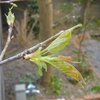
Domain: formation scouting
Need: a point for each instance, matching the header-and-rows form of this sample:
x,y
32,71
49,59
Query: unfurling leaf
x,y
14,5
10,17
57,62
60,42
37,59
66,68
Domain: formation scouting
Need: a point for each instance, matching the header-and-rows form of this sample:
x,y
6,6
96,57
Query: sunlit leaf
x,y
60,42
66,68
58,62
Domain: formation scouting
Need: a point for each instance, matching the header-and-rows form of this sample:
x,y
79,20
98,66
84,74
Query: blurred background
x,y
37,20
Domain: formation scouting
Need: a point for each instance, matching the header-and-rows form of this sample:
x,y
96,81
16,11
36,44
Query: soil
x,y
21,71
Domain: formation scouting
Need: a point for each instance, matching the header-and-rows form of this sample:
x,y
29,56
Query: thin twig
x,y
7,43
9,2
32,49
5,2
86,13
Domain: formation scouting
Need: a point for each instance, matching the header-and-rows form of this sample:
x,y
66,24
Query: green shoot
x,y
57,45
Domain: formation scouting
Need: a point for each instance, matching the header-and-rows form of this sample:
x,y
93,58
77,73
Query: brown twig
x,y
86,13
32,49
7,43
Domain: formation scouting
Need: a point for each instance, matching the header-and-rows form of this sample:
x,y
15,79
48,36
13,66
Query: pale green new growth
x,y
58,44
14,5
10,17
62,41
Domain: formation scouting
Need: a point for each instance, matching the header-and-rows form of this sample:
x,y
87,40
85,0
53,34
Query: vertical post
x,y
2,89
20,92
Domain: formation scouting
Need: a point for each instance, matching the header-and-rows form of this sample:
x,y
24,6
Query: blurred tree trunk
x,y
46,22
87,12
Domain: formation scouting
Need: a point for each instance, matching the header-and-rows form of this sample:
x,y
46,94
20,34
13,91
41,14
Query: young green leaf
x,y
10,17
57,62
38,63
60,42
37,59
63,67
66,68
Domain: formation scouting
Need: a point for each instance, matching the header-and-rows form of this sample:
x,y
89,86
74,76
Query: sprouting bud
x,y
12,36
14,5
10,18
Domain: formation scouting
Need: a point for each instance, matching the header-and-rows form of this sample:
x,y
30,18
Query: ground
x,y
21,71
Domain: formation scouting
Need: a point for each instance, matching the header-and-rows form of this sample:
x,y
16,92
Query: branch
x,y
9,2
5,2
32,49
7,43
10,20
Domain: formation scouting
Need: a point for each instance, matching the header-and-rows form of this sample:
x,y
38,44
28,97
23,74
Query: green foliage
x,y
57,45
10,74
96,88
33,9
65,5
56,84
33,5
97,21
84,1
26,79
39,60
60,43
31,97
10,17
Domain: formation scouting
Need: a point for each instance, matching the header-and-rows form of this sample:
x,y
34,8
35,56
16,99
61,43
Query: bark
x,y
46,22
